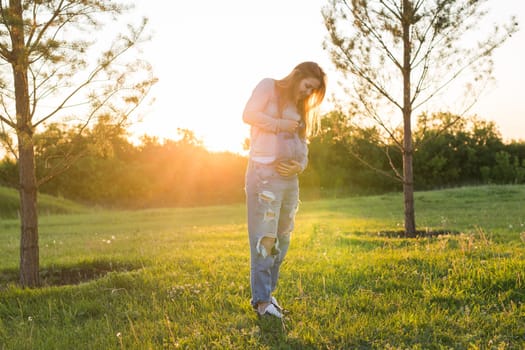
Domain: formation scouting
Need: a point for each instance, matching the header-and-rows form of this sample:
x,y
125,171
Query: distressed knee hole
x,y
267,196
266,245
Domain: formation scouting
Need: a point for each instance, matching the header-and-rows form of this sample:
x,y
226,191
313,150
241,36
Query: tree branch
x,y
108,60
7,121
370,166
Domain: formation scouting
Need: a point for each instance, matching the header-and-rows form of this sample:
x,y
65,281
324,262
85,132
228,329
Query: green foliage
x,y
347,160
449,151
8,173
453,151
100,166
179,278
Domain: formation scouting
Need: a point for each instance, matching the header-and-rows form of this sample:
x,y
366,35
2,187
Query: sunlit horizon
x,y
210,138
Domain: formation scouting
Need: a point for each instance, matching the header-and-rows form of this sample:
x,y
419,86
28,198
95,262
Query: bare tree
x,y
49,51
403,53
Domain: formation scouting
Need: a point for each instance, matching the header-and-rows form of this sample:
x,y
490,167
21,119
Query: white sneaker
x,y
271,310
276,304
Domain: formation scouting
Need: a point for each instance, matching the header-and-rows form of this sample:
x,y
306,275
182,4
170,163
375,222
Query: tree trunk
x,y
29,254
408,186
408,174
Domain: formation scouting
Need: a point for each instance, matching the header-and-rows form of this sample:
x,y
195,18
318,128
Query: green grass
x,y
179,278
47,205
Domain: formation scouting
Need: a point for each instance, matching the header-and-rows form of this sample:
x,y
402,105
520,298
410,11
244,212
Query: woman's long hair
x,y
308,108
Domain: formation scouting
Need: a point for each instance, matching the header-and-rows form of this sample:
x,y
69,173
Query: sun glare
x,y
216,135
205,86
224,142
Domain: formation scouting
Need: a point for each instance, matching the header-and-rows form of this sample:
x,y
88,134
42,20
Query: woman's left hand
x,y
288,168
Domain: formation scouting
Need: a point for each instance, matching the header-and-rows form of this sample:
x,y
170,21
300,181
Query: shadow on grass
x,y
275,334
60,275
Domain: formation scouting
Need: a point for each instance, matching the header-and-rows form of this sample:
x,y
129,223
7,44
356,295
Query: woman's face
x,y
306,87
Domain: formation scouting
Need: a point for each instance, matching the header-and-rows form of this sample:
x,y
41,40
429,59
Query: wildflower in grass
x,y
119,337
30,318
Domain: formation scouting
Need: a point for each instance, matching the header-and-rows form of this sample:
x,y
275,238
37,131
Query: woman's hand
x,y
288,125
288,168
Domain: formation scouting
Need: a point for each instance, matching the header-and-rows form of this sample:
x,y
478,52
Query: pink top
x,y
261,113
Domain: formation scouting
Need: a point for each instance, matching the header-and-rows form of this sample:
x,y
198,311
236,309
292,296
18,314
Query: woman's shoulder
x,y
267,84
265,89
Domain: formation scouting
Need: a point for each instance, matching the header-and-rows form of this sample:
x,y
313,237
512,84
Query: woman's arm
x,y
254,111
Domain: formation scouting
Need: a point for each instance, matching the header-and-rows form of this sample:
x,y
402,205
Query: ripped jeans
x,y
272,201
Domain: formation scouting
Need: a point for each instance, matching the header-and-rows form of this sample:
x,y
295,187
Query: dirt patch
x,y
418,234
57,275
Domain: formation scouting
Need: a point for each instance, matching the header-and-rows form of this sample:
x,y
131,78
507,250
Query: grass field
x,y
9,204
179,278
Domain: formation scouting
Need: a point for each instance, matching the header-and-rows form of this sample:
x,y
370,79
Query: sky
x,y
209,55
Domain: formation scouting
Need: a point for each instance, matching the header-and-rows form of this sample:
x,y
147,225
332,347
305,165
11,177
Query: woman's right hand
x,y
288,125
288,168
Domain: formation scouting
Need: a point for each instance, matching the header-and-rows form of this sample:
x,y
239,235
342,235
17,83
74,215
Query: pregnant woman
x,y
282,114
